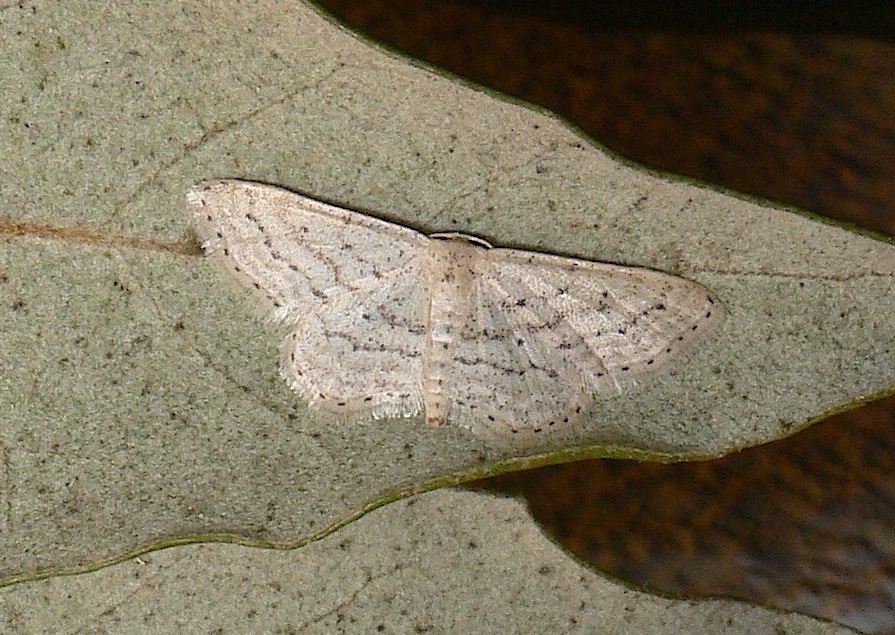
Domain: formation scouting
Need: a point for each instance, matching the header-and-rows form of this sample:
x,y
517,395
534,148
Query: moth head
x,y
466,238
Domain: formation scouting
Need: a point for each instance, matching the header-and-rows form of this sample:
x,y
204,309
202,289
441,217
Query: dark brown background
x,y
796,105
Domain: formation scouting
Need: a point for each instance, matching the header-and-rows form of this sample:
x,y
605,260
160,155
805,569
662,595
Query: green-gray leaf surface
x,y
139,400
442,562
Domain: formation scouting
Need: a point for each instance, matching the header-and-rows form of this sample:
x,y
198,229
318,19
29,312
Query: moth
x,y
388,322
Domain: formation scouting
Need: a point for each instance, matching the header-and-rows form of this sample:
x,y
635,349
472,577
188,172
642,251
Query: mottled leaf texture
x,y
387,322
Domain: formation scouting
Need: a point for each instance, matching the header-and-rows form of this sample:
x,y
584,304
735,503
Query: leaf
x,y
443,562
140,405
